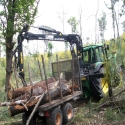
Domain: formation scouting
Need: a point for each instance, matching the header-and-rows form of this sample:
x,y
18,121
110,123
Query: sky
x,y
49,11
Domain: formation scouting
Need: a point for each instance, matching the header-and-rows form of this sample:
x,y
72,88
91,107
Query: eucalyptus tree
x,y
13,15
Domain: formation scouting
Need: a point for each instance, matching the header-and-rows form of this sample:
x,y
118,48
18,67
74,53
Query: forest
x,y
36,61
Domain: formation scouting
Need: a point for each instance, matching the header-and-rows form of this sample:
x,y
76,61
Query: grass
x,y
5,119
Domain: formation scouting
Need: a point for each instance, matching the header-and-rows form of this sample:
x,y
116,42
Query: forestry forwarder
x,y
90,80
89,71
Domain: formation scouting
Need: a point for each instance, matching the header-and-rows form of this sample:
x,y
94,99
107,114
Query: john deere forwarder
x,y
90,69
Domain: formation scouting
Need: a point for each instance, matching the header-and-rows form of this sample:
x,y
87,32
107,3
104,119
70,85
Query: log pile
x,y
23,99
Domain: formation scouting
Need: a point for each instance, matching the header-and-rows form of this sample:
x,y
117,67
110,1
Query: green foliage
x,y
5,119
2,72
102,24
114,73
16,13
50,47
73,22
32,61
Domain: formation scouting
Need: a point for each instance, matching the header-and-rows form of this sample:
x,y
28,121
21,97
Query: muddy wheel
x,y
67,111
55,117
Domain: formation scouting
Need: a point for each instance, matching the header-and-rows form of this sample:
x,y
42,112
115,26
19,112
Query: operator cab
x,y
93,53
92,56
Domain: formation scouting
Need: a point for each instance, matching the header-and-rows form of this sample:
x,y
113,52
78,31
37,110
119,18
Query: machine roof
x,y
92,46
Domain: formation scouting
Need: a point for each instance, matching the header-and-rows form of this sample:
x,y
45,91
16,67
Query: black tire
x,y
55,117
101,70
67,110
97,90
25,117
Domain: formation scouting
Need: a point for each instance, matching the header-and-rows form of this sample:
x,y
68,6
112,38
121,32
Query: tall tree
x,y
14,14
96,21
74,23
102,25
80,20
62,17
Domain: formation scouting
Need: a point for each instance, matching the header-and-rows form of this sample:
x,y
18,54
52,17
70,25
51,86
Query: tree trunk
x,y
9,42
34,90
8,67
54,94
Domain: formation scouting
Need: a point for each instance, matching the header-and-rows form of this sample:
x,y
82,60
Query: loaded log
x,y
13,94
54,94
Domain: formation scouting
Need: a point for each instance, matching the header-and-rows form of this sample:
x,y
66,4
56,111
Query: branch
x,y
4,27
34,110
80,20
96,21
107,101
5,3
60,18
37,3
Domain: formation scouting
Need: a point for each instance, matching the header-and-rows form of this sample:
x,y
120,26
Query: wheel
x,y
103,82
67,110
25,117
55,117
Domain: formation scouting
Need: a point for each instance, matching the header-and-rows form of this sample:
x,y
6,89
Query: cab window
x,y
86,56
99,54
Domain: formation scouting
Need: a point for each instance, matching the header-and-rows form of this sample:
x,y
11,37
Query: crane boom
x,y
53,36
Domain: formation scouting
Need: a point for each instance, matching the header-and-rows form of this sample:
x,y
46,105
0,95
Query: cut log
x,y
13,94
54,94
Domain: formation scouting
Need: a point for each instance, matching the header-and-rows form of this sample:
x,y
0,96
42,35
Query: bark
x,y
54,94
39,92
113,18
27,91
9,43
8,66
